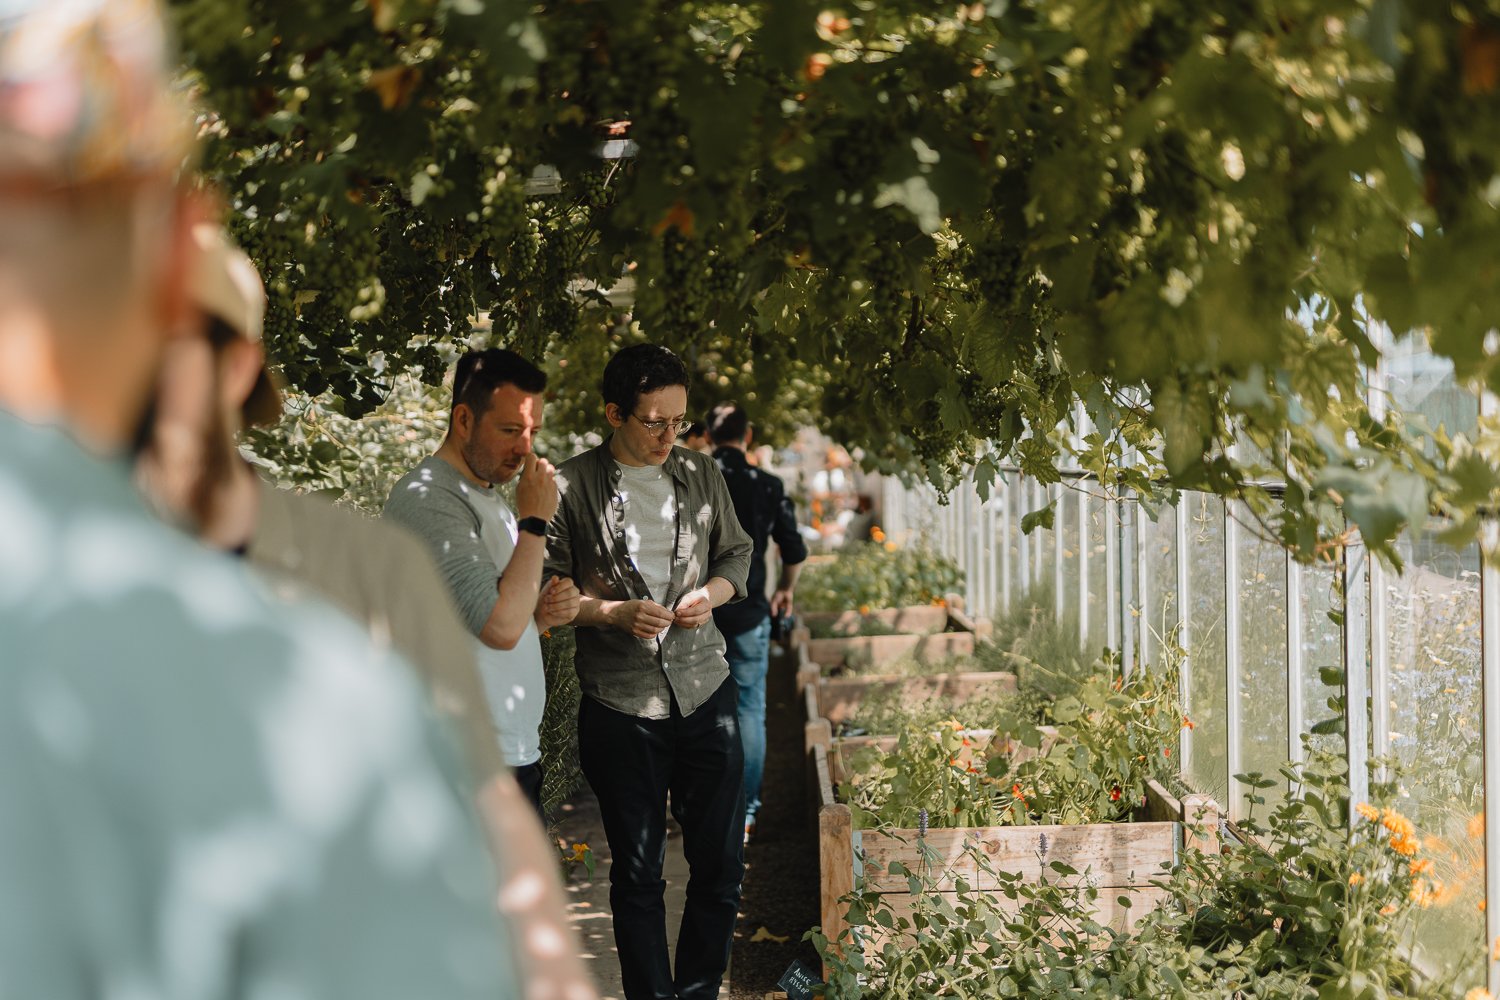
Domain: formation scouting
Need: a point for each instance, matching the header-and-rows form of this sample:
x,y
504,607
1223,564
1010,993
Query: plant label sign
x,y
798,981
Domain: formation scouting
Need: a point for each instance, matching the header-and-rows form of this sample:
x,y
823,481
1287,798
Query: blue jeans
x,y
749,654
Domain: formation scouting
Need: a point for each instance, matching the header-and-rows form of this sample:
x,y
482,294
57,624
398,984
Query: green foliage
x,y
948,223
1042,651
1312,909
1112,738
873,575
885,711
559,730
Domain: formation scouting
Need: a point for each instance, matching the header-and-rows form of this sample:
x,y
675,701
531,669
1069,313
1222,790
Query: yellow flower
x,y
1476,826
1387,909
1479,993
877,534
1368,811
1404,845
1422,867
580,850
1356,878
890,546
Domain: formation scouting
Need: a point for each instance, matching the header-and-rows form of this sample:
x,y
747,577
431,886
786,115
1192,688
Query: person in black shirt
x,y
764,511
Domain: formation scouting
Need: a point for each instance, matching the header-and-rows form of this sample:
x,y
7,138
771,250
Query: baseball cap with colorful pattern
x,y
85,94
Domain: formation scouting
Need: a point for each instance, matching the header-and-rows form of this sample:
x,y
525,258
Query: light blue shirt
x,y
206,794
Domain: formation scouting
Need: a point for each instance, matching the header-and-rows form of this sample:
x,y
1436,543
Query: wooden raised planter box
x,y
1119,859
837,699
920,620
921,636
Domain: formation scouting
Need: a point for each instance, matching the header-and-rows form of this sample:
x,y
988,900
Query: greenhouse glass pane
x,y
1261,597
1098,566
1159,603
1008,547
1420,382
1433,647
1041,539
1067,526
1208,771
1322,654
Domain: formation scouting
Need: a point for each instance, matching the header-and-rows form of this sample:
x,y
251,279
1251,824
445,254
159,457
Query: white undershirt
x,y
650,524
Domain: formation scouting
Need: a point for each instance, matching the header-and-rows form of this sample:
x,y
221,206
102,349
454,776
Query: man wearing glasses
x,y
649,534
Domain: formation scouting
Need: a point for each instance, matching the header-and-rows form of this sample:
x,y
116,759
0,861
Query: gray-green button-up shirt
x,y
586,543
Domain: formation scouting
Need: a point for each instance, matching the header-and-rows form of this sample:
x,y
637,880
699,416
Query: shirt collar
x,y
674,464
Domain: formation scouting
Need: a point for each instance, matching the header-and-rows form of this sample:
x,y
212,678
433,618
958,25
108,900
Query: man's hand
x,y
781,602
695,608
536,490
557,604
642,619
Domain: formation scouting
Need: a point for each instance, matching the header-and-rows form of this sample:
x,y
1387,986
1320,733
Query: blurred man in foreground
x,y
374,571
206,794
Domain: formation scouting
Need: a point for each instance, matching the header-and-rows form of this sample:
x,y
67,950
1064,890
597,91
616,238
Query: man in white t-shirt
x,y
490,556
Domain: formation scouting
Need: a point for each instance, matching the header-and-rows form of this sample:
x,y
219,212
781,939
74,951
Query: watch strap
x,y
534,525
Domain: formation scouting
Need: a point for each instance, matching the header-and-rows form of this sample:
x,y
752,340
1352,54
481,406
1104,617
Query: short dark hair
x,y
694,429
728,424
639,369
479,373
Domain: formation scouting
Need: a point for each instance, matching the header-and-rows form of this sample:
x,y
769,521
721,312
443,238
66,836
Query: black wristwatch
x,y
535,525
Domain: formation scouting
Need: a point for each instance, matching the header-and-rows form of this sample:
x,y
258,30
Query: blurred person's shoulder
x,y
185,752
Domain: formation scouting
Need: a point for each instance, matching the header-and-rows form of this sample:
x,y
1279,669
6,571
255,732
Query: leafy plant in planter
x,y
1311,909
1112,738
877,576
884,712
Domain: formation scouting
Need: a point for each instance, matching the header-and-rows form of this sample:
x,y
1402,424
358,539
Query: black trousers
x,y
531,778
632,764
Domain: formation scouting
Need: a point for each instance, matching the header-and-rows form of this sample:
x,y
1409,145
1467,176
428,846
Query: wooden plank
x,y
816,733
822,775
839,698
916,620
877,649
835,868
1113,855
1105,910
1161,805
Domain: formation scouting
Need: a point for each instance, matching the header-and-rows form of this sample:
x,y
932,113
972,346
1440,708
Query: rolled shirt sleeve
x,y
729,545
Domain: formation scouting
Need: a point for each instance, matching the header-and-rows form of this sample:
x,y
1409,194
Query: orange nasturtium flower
x,y
1422,866
1368,811
1356,878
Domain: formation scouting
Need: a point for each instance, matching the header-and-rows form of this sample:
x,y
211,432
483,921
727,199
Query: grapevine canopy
x,y
943,229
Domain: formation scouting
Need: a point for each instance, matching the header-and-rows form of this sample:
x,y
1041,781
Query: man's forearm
x,y
515,599
720,591
595,612
789,576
